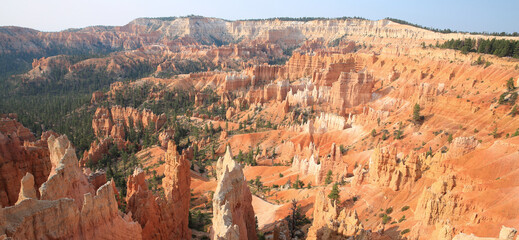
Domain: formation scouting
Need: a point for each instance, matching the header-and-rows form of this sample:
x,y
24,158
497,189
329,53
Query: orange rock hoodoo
x,y
233,215
163,218
68,208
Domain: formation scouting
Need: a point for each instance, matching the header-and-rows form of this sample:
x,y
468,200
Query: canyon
x,y
203,128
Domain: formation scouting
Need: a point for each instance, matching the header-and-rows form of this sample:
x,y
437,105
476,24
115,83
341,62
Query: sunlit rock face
x,y
68,207
233,215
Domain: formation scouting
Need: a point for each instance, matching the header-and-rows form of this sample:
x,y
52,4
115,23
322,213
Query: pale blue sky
x,y
465,15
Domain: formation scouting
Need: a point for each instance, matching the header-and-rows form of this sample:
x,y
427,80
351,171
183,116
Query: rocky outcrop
x,y
438,202
273,91
388,170
281,91
100,217
61,219
97,97
323,123
236,81
44,67
97,178
66,179
35,219
110,127
358,176
329,223
165,136
9,126
163,218
20,154
320,166
264,73
144,117
233,215
27,189
329,122
230,113
97,149
332,163
350,90
301,65
176,185
300,97
506,233
461,146
332,72
112,122
102,122
306,167
145,209
69,208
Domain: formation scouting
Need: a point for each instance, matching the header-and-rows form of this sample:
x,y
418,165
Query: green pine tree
x,y
510,84
416,113
334,194
328,179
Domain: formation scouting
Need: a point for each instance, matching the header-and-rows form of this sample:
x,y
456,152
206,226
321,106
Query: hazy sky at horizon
x,y
462,15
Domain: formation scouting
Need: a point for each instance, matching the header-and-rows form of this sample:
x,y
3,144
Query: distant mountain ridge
x,y
21,45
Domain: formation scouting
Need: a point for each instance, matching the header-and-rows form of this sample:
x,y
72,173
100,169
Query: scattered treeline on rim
x,y
498,47
514,34
298,19
301,19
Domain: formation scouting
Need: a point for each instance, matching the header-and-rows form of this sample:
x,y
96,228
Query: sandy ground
x,y
265,211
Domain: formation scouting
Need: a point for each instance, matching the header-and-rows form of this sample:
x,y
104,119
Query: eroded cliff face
x,y
333,163
350,90
69,208
506,233
18,40
147,31
330,223
438,202
388,170
61,219
176,184
20,154
233,215
66,179
145,117
113,121
306,166
110,127
163,218
144,208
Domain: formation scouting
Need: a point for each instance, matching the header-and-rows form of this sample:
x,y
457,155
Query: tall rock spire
x,y
233,215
